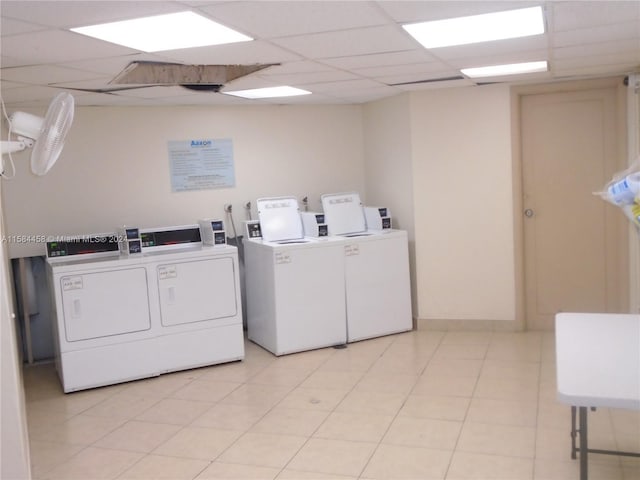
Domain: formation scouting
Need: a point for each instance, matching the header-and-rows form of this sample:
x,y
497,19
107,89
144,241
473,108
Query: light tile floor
x,y
420,405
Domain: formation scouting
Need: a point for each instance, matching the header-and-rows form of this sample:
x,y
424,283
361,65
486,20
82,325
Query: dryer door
x,y
104,304
197,291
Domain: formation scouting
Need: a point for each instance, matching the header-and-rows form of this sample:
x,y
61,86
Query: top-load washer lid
x,y
280,220
344,214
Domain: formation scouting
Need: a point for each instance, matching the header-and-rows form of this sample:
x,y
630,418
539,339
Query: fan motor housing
x,y
26,125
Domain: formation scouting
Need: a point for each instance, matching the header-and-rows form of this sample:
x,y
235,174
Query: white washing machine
x,y
102,316
196,291
295,286
377,281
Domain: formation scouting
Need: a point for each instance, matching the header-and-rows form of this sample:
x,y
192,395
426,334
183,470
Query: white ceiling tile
x,y
588,14
312,77
10,26
602,33
414,69
66,14
353,85
595,61
303,66
269,20
53,73
435,85
628,48
234,53
54,46
380,59
492,49
498,59
360,41
112,66
589,70
420,11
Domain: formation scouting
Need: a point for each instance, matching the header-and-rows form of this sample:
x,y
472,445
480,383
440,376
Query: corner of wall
x,y
14,442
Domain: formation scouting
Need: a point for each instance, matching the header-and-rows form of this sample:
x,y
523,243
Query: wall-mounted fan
x,y
45,135
205,78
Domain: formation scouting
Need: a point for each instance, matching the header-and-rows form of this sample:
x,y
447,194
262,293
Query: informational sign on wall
x,y
201,164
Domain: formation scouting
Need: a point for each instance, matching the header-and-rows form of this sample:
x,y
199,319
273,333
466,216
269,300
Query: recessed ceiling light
x,y
269,92
164,32
478,28
500,70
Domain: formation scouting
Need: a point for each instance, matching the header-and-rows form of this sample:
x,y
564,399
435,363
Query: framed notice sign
x,y
201,164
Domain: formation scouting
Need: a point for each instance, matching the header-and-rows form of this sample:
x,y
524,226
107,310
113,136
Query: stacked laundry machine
x,y
139,303
316,279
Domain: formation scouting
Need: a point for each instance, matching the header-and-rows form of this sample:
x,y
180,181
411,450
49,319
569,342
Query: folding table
x,y
598,365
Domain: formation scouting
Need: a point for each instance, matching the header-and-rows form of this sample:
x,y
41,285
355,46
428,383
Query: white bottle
x,y
624,190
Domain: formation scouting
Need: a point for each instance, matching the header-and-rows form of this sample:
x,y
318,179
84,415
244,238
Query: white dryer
x,y
294,285
102,316
195,289
176,305
377,281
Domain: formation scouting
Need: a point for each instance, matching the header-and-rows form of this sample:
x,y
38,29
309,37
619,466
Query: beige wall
x,y
388,166
14,444
114,169
463,202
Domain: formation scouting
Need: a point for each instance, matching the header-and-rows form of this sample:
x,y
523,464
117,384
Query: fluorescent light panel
x,y
269,92
164,32
478,28
500,70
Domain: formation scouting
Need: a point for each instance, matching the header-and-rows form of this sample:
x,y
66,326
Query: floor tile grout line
x,y
380,442
464,420
311,436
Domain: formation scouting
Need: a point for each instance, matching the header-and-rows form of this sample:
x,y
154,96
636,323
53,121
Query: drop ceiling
x,y
344,52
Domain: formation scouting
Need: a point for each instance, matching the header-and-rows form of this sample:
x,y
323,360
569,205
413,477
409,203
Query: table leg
x,y
584,466
574,433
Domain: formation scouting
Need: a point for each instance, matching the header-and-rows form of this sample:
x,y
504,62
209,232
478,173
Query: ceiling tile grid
x,y
342,51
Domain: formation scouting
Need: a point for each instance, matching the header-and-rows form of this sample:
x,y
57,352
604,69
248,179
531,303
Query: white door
x,y
575,249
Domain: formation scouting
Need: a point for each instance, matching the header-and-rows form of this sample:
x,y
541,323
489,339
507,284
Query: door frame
x,y
517,92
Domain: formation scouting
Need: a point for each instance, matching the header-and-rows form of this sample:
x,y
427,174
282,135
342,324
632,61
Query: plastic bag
x,y
624,191
624,187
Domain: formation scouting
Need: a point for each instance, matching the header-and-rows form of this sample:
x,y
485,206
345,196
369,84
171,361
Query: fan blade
x,y
159,73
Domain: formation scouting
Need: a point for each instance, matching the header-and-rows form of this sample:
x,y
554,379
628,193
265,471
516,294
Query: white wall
x,y
463,201
114,168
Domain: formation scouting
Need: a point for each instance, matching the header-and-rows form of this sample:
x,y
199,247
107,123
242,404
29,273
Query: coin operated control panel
x,y
129,241
253,230
378,219
212,232
314,224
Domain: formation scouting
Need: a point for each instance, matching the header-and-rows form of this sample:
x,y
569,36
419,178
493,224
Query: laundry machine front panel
x,y
310,284
108,364
378,291
197,290
104,304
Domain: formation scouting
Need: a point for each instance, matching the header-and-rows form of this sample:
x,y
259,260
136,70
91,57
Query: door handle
x,y
528,213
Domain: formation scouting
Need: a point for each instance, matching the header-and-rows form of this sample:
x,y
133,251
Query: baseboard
x,y
469,325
